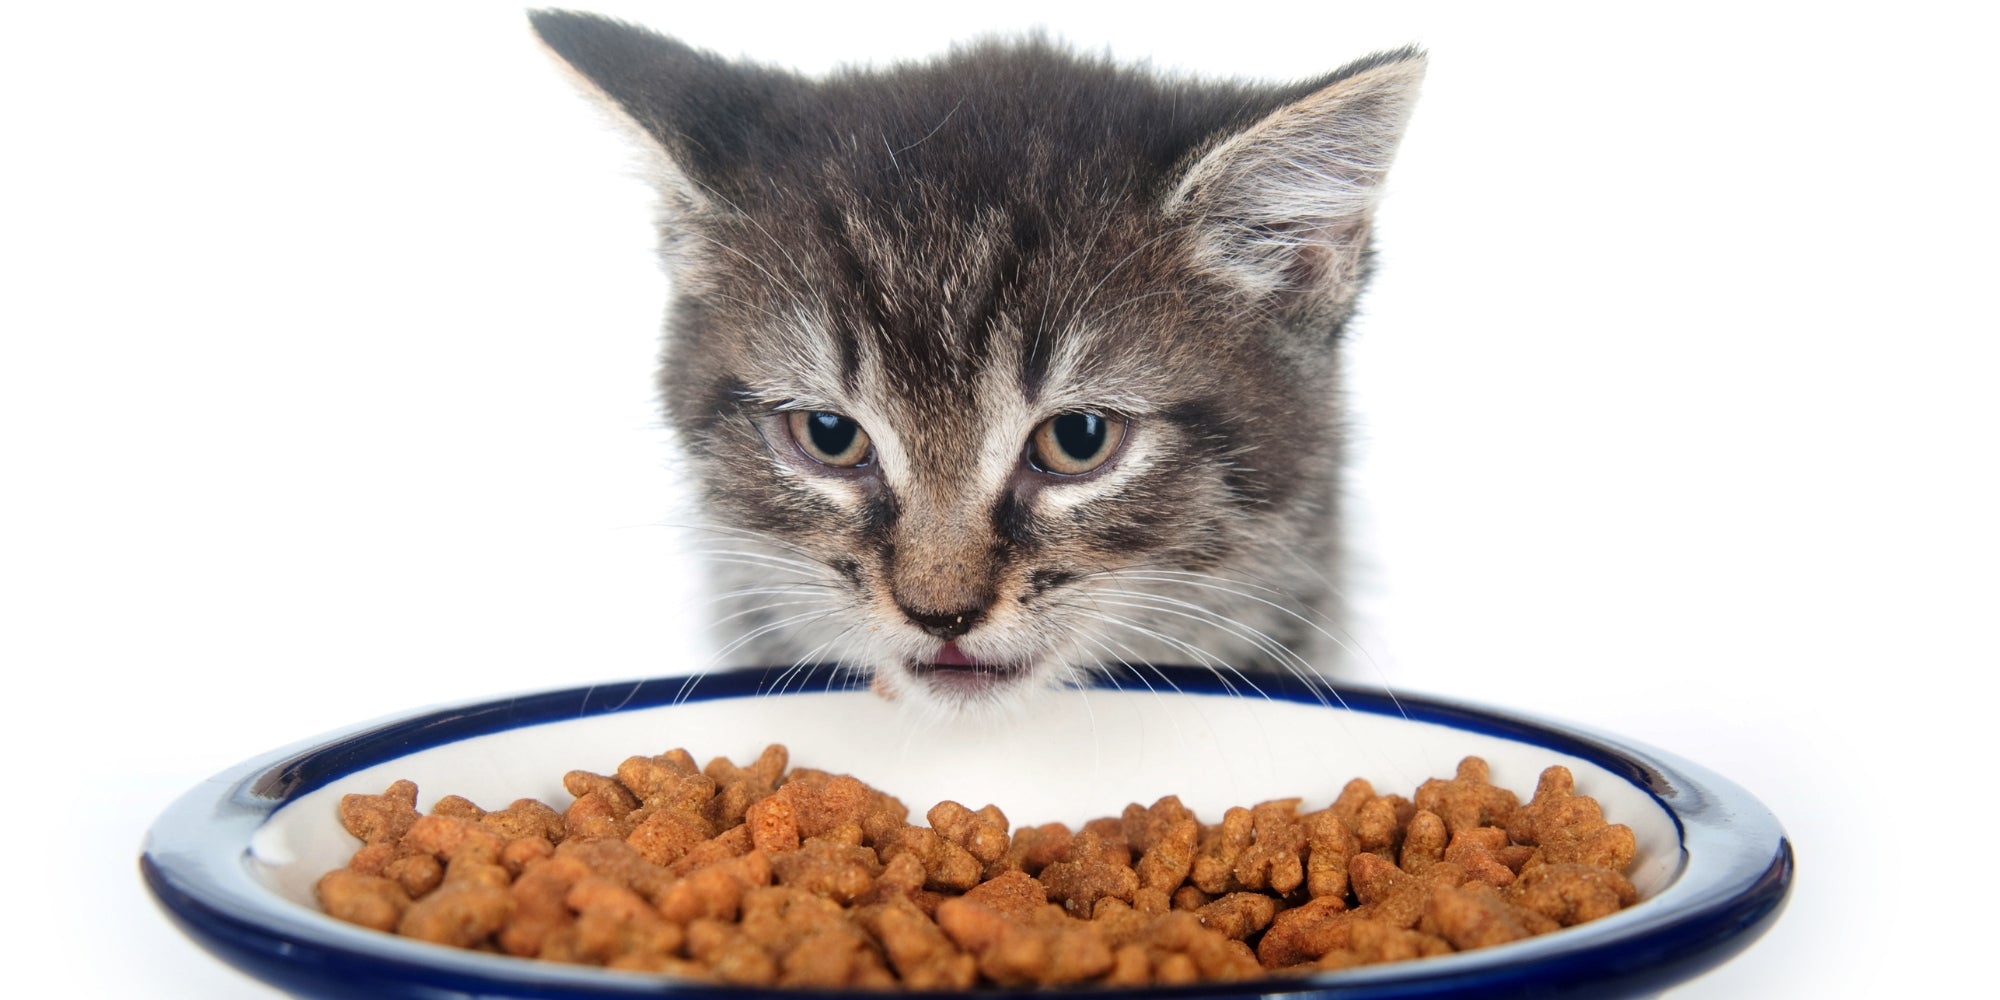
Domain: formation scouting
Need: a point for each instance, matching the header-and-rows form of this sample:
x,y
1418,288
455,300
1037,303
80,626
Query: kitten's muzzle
x,y
947,624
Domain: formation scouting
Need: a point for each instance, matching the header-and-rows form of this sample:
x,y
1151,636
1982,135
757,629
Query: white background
x,y
326,343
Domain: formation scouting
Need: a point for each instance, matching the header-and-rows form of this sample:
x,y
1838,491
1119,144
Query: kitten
x,y
1002,366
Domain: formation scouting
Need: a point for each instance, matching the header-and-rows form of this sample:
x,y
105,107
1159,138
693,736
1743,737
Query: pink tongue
x,y
952,656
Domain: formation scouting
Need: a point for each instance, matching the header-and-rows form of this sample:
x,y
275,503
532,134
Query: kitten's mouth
x,y
952,672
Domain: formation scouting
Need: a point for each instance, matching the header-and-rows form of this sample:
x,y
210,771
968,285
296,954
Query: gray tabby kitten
x,y
1000,367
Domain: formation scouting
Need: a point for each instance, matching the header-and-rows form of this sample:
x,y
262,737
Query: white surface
x,y
325,353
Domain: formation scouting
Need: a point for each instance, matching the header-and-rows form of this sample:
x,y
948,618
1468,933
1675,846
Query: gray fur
x,y
951,253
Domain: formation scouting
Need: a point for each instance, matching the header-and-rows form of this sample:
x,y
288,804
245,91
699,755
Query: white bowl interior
x,y
1077,756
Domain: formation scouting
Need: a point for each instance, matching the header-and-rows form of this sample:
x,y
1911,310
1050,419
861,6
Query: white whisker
x,y
1284,657
762,559
759,609
1216,665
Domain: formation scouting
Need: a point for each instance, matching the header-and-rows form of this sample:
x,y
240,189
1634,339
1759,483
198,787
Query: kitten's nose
x,y
946,624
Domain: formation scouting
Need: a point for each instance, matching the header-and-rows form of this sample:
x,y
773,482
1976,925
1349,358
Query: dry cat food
x,y
766,876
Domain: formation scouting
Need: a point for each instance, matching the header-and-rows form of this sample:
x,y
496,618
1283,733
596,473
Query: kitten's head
x,y
999,366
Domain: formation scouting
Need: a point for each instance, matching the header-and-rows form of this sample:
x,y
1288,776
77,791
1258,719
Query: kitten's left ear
x,y
704,113
1283,207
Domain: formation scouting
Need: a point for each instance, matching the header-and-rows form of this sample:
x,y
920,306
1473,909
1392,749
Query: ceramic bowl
x,y
233,862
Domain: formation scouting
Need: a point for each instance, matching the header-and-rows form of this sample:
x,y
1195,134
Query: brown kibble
x,y
525,818
582,783
1478,851
602,807
731,843
518,854
416,873
1098,868
1143,826
833,956
1214,868
1013,895
729,954
1609,846
1188,897
1467,801
774,827
1034,848
1007,953
813,941
1176,969
1569,829
1556,806
1423,842
769,767
1275,859
1329,846
641,942
449,838
666,836
371,858
1304,933
381,818
663,780
738,788
1376,941
1375,880
716,891
457,807
1376,827
540,903
463,914
1239,914
369,900
1471,919
621,862
1387,893
822,801
982,834
1571,894
828,869
1075,954
763,877
1353,796
899,880
947,866
1129,967
1118,922
1169,854
922,955
1215,955
595,892
469,869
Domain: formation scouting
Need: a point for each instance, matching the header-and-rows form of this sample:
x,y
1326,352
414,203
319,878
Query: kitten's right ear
x,y
1282,209
698,109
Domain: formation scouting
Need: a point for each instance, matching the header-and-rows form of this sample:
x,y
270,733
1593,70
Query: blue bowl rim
x,y
1739,900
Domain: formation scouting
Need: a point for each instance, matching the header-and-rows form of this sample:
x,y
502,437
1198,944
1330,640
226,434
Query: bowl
x,y
233,861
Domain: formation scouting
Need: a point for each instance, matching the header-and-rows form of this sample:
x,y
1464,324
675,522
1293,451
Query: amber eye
x,y
1072,444
830,438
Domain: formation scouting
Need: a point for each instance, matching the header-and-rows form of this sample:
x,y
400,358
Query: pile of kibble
x,y
773,877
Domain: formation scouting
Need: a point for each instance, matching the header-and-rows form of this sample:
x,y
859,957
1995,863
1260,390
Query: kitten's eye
x,y
1075,443
830,438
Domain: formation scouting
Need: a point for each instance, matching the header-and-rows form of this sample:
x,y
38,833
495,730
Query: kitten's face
x,y
1007,366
